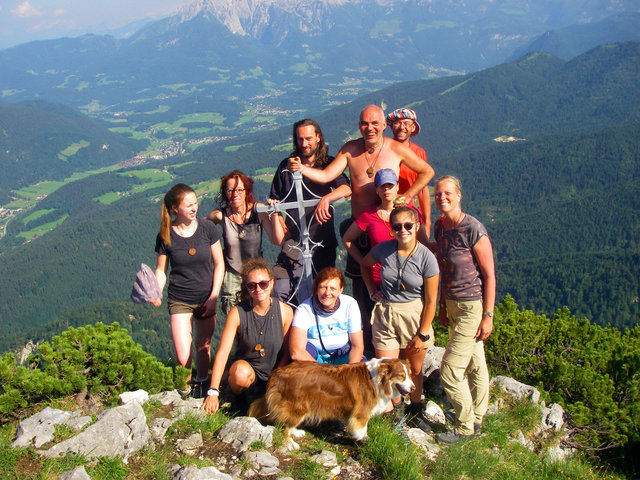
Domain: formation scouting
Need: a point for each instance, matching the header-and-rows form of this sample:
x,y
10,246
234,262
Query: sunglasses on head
x,y
264,284
397,227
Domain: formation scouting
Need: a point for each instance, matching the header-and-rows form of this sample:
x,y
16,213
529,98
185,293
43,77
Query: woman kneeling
x,y
259,325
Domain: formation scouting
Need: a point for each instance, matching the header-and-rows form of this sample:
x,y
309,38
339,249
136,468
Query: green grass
x,y
42,229
37,214
108,469
395,458
493,455
72,149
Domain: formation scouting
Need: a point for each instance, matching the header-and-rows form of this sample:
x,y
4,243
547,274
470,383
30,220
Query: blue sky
x,y
25,20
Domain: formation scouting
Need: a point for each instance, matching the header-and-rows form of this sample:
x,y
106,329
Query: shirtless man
x,y
364,157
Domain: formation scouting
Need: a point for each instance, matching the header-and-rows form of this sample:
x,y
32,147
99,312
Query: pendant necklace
x,y
371,170
258,347
399,283
190,250
386,223
240,226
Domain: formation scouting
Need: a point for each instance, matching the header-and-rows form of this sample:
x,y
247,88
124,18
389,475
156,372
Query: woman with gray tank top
x,y
242,229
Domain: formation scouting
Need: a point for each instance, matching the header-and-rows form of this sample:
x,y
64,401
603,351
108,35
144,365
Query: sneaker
x,y
477,428
451,437
416,418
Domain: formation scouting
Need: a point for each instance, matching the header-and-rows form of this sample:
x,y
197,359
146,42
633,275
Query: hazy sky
x,y
25,20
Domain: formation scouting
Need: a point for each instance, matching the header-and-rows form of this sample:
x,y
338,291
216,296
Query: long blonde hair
x,y
171,199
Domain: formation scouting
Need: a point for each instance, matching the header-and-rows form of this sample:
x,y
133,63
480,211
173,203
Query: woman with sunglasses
x,y
242,229
467,297
406,302
375,222
259,327
327,327
192,247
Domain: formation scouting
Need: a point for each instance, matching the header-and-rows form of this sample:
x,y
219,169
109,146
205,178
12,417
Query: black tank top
x,y
257,330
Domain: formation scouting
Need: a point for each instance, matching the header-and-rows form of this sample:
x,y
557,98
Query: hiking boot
x,y
477,428
200,388
416,418
451,437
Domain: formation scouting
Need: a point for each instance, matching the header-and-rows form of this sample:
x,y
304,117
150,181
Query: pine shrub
x,y
103,359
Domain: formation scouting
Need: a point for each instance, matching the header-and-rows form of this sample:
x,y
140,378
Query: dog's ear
x,y
385,373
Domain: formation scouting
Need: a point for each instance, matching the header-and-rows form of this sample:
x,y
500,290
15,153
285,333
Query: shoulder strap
x,y
319,335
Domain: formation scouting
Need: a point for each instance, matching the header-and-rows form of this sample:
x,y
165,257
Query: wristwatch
x,y
488,314
422,337
213,392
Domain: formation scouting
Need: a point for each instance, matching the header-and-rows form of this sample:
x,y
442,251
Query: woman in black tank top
x,y
259,326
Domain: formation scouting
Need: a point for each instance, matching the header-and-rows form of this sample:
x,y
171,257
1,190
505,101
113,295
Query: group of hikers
x,y
400,278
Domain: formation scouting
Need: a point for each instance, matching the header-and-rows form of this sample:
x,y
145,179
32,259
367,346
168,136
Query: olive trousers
x,y
464,373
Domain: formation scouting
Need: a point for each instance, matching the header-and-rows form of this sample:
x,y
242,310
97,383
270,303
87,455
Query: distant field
x,y
72,149
42,229
152,178
35,215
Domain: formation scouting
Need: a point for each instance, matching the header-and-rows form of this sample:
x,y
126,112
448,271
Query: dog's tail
x,y
259,409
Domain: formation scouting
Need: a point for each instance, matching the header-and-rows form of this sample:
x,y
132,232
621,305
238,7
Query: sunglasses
x,y
397,227
231,191
264,284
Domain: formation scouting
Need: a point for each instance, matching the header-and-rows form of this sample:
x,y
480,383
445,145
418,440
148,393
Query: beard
x,y
311,153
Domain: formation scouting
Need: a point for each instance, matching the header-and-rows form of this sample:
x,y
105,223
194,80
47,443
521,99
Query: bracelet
x,y
213,392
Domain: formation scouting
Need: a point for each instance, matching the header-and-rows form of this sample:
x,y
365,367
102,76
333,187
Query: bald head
x,y
372,111
372,124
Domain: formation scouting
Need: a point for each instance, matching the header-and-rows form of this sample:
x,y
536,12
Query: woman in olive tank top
x,y
259,326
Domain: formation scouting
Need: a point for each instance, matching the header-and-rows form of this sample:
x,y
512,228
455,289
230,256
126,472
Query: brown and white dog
x,y
310,392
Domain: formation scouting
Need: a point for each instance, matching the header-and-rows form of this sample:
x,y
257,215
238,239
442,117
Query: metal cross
x,y
305,245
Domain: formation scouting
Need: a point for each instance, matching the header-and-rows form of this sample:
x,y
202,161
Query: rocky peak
x,y
254,17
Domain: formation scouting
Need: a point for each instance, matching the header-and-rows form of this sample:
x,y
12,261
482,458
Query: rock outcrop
x,y
124,430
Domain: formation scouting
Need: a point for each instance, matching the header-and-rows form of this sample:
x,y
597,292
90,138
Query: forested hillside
x,y
44,141
561,205
563,213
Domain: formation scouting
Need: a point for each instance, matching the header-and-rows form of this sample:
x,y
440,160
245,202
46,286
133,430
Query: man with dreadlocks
x,y
310,150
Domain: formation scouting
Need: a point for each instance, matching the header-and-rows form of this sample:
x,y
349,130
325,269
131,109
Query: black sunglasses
x,y
264,284
397,227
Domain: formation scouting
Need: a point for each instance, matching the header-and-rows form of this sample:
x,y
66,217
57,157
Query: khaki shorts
x,y
395,324
176,307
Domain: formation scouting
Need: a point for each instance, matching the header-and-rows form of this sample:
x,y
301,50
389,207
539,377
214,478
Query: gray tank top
x,y
241,241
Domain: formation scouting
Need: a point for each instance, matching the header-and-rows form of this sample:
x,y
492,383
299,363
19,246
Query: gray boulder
x,y
432,360
555,417
139,396
78,473
38,429
191,472
516,388
263,463
241,432
191,444
118,432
